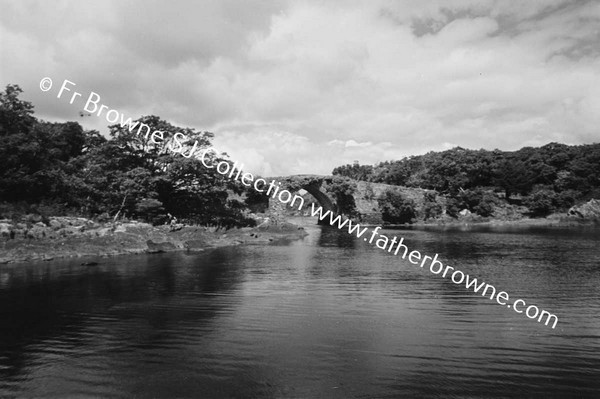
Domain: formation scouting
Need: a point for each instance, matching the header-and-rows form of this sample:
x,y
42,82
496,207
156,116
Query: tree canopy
x,y
548,178
64,168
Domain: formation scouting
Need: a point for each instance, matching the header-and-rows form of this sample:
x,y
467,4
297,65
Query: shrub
x,y
540,203
342,190
151,210
454,206
486,205
564,200
477,201
432,208
395,208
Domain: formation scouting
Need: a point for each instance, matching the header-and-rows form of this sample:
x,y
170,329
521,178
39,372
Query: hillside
x,y
533,182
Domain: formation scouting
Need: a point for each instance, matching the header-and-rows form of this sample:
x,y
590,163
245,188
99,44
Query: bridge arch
x,y
311,184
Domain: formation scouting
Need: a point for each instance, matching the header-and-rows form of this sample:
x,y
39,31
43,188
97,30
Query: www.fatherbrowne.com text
x,y
435,266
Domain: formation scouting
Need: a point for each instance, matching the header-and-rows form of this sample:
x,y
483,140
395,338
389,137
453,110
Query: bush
x,y
431,209
395,208
564,200
486,205
454,206
540,203
151,210
342,190
477,201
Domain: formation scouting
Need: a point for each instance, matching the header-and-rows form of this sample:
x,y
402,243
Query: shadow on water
x,y
333,237
42,302
327,316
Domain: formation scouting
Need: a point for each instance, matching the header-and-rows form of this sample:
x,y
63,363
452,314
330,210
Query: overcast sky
x,y
294,87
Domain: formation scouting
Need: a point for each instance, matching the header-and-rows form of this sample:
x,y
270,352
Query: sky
x,y
300,87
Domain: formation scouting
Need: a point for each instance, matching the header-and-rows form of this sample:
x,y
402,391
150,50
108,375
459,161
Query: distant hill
x,y
547,179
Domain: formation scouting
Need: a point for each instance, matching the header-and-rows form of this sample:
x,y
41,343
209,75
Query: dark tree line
x,y
548,178
59,168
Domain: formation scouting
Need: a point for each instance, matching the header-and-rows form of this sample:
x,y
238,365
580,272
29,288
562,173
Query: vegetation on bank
x,y
534,182
54,169
60,169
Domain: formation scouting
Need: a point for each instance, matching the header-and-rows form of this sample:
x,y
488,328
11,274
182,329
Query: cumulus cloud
x,y
304,86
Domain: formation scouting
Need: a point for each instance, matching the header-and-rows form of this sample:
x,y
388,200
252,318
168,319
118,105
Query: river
x,y
329,316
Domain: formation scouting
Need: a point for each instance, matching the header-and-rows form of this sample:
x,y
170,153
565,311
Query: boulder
x,y
589,210
36,232
101,232
195,245
70,230
33,218
158,247
176,226
6,231
55,224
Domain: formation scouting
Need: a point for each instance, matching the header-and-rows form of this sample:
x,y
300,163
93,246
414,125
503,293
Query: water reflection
x,y
329,316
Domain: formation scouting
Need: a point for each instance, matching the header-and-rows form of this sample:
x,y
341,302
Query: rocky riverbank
x,y
34,238
585,214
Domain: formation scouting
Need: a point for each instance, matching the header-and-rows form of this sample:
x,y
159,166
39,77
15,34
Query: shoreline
x,y
554,220
72,237
82,238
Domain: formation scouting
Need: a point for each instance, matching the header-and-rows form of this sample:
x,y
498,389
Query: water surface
x,y
326,317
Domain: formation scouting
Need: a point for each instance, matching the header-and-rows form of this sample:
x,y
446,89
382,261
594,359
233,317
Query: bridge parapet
x,y
366,195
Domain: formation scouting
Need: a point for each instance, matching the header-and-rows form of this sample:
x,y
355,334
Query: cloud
x,y
303,86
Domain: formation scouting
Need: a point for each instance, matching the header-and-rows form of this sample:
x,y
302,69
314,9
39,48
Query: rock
x,y
75,229
33,218
102,231
70,231
195,245
176,226
264,225
158,247
55,224
89,264
90,224
36,232
464,212
5,230
589,210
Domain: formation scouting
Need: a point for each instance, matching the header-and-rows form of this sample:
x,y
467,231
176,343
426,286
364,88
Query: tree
x,y
431,207
343,190
395,208
35,155
513,176
540,203
16,116
146,179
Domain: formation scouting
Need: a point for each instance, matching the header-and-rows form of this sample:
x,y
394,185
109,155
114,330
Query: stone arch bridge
x,y
365,196
313,184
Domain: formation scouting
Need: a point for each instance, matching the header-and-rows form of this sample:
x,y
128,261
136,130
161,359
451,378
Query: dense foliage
x,y
342,190
396,209
546,179
59,168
